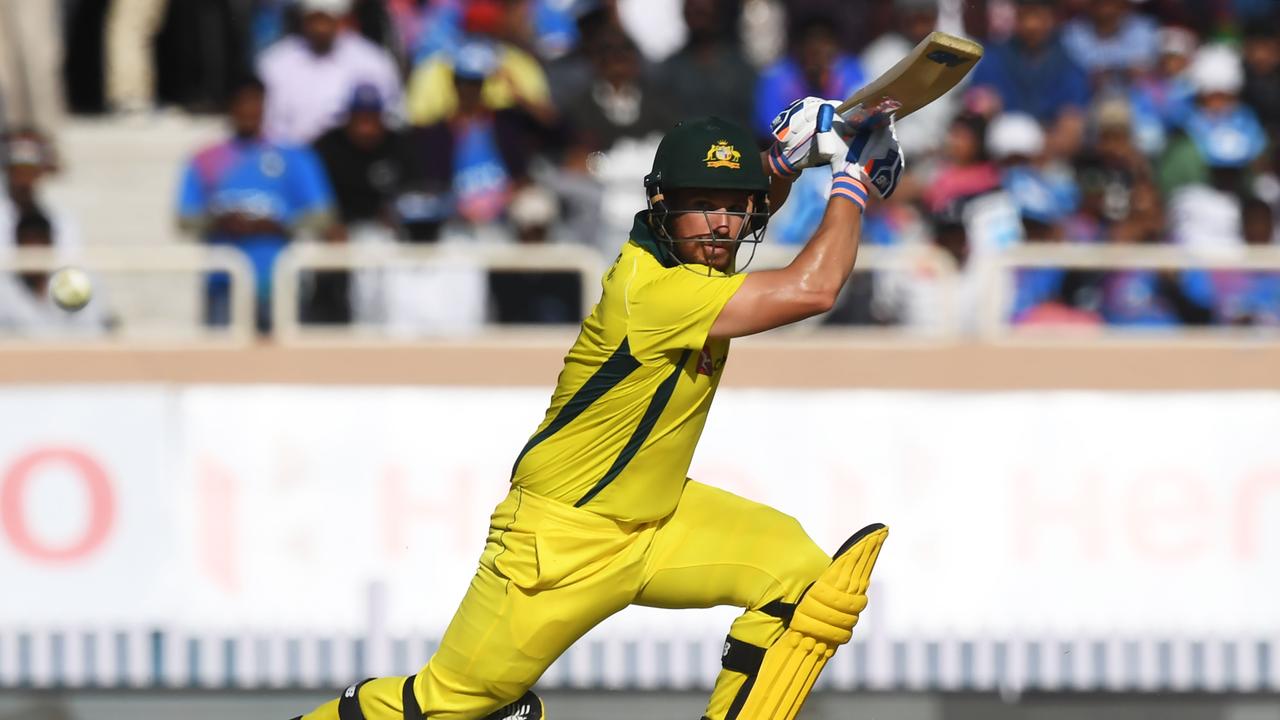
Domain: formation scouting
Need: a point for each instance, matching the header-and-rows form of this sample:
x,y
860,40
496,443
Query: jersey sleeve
x,y
193,201
309,190
676,310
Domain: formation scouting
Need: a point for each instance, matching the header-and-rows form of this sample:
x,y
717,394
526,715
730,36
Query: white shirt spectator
x,y
1206,220
66,231
27,315
306,92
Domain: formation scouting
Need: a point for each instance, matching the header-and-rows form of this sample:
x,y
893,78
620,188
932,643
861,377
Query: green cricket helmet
x,y
707,153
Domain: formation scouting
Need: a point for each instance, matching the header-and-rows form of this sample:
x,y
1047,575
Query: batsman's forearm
x,y
826,261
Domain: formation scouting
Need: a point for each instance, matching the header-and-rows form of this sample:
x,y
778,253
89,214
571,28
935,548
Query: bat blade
x,y
932,68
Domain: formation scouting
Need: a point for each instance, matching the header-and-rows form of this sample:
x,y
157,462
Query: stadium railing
x,y
998,271
995,274
588,263
307,257
191,262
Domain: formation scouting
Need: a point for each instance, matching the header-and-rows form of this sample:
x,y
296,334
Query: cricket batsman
x,y
601,514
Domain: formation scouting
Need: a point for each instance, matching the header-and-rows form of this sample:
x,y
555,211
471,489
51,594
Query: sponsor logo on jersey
x,y
706,363
709,364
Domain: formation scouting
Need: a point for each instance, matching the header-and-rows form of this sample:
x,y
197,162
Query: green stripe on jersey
x,y
651,414
613,371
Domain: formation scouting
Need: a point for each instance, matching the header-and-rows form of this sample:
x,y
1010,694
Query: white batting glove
x,y
794,130
871,157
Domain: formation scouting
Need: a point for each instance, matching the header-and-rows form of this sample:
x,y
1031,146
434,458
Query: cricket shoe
x,y
528,707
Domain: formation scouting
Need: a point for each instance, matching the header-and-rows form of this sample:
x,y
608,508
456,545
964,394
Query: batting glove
x,y
794,130
871,158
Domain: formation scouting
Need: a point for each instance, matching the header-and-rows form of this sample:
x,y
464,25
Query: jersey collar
x,y
642,235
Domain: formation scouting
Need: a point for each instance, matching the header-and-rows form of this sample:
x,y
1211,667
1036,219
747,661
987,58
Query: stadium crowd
x,y
532,121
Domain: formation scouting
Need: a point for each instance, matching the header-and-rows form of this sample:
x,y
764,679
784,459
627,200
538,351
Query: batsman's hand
x,y
794,131
872,155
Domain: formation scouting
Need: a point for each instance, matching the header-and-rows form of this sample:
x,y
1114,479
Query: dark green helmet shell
x,y
707,153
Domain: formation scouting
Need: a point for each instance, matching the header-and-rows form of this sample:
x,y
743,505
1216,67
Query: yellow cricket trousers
x,y
550,572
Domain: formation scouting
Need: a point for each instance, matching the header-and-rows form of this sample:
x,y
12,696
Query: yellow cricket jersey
x,y
633,397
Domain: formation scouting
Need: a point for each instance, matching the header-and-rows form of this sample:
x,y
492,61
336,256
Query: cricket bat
x,y
935,66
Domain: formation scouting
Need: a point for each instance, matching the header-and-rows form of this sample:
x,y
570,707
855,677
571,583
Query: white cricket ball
x,y
70,288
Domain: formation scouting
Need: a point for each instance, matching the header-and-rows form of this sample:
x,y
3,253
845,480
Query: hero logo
x,y
725,653
350,692
707,364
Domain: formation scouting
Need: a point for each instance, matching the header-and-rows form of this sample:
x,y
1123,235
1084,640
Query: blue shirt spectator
x,y
1032,72
252,194
1155,299
815,67
1245,298
1111,38
1162,98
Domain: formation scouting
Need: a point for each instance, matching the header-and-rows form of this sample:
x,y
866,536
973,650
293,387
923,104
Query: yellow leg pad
x,y
823,621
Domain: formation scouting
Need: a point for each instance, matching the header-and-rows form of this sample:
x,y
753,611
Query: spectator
x,y
815,66
1262,73
1114,166
1044,200
1162,98
535,297
1209,216
131,29
570,73
365,160
25,306
1111,42
711,50
1046,295
310,77
1045,194
27,159
1147,298
30,57
1220,131
913,21
253,194
1249,297
964,169
619,102
1032,73
201,51
1154,299
518,80
480,156
367,163
408,19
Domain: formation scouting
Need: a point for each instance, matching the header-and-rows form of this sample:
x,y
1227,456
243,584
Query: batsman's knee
x,y
801,562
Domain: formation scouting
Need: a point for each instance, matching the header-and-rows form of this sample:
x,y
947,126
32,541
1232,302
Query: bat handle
x,y
826,114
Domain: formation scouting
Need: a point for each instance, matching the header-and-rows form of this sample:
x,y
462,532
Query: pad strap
x,y
741,656
349,703
410,701
784,611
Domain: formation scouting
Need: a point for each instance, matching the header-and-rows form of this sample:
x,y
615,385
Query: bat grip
x,y
826,114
